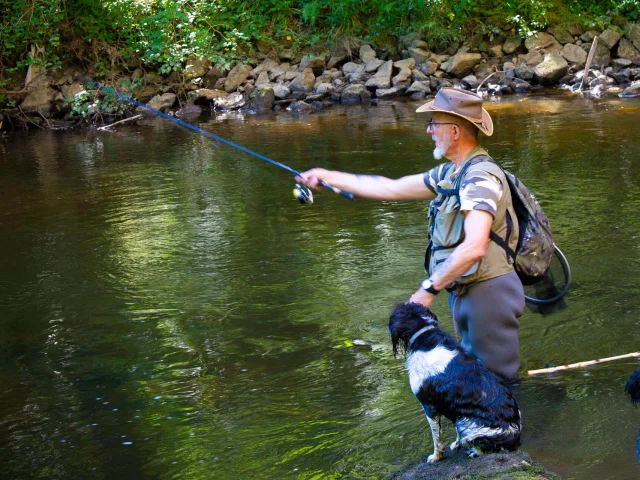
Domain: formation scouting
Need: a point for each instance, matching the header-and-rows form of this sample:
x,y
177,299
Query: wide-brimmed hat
x,y
462,104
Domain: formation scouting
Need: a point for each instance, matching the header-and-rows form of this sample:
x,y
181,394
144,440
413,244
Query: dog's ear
x,y
424,313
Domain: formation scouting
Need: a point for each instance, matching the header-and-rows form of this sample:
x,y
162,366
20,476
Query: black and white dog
x,y
447,381
633,389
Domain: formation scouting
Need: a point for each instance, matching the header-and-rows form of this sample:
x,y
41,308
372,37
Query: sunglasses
x,y
433,124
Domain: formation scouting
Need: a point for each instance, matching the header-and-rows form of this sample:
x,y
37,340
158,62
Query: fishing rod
x,y
301,192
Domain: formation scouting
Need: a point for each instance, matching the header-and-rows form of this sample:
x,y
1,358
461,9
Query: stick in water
x,y
587,66
582,364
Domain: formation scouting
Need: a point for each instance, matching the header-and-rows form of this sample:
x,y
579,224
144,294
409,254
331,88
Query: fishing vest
x,y
446,224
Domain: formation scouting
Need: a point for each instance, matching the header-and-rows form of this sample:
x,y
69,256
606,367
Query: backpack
x,y
535,247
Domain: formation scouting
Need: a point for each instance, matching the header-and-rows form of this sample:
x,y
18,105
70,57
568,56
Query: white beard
x,y
440,150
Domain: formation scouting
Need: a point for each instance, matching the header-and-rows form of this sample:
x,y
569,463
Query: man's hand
x,y
311,178
422,297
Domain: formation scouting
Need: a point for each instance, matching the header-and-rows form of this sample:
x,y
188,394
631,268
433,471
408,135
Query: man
x,y
485,295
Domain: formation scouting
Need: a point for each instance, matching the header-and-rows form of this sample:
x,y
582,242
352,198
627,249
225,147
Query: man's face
x,y
441,129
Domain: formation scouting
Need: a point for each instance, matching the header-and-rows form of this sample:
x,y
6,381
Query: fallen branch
x,y
106,127
489,76
582,364
592,52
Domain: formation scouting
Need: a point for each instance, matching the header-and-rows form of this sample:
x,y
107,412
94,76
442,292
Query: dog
x,y
448,381
633,389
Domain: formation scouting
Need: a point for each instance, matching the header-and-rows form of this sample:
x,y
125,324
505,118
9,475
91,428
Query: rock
x,y
315,63
70,91
357,77
552,69
420,55
300,107
290,75
373,65
575,29
163,102
210,78
219,85
237,75
144,93
524,72
626,50
263,99
418,95
589,35
351,67
511,44
471,82
382,78
204,96
418,76
266,66
355,94
461,64
196,67
418,43
402,79
286,55
520,86
574,54
561,34
189,111
367,53
325,89
542,40
280,91
406,63
388,93
39,100
632,90
303,82
532,58
231,102
409,38
496,51
633,34
602,55
621,63
263,79
610,36
428,68
418,87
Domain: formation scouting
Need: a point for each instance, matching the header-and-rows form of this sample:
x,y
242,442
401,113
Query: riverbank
x,y
270,77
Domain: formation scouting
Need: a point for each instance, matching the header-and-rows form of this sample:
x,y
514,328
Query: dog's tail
x,y
633,387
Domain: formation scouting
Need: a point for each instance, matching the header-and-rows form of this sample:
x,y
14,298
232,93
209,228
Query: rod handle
x,y
347,195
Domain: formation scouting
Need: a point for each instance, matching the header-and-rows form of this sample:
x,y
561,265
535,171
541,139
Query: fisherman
x,y
486,297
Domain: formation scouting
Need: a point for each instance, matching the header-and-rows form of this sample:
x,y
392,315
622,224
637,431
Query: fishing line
x,y
304,196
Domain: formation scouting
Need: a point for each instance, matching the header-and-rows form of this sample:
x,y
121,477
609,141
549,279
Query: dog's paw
x,y
435,457
474,452
455,445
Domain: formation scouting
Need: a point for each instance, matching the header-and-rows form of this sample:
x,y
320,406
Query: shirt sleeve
x,y
433,176
480,190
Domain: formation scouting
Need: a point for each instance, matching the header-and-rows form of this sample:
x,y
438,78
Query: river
x,y
168,310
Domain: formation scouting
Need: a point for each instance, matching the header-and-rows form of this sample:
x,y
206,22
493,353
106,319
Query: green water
x,y
169,311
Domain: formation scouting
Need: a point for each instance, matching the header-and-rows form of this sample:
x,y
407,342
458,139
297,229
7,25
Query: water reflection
x,y
170,311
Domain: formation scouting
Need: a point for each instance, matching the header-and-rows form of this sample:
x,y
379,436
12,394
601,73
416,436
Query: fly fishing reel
x,y
303,194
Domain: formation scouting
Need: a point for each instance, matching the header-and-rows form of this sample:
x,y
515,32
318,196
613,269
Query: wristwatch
x,y
428,286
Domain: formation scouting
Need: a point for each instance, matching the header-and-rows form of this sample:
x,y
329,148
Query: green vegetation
x,y
162,34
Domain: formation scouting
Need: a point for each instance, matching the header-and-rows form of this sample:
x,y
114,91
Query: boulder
x,y
144,93
419,87
237,75
263,99
520,86
355,94
532,58
315,63
163,102
418,76
189,111
420,55
632,90
471,82
561,34
303,82
373,65
626,50
39,100
263,79
542,40
428,68
418,43
496,51
406,63
574,54
204,96
196,67
367,53
511,44
351,67
602,55
230,102
620,64
325,89
300,107
461,64
403,78
266,66
610,36
524,72
290,75
280,91
388,93
382,78
589,35
70,91
552,69
633,34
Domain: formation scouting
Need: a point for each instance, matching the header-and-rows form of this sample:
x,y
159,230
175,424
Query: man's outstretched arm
x,y
373,187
